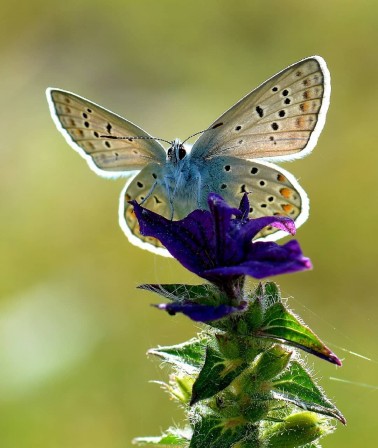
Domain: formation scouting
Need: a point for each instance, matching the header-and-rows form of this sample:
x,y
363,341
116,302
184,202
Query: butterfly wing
x,y
86,126
147,188
272,190
280,120
90,130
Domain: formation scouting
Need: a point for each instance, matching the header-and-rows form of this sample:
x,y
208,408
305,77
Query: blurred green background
x,y
73,329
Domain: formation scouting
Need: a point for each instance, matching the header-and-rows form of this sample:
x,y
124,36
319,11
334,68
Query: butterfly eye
x,y
182,152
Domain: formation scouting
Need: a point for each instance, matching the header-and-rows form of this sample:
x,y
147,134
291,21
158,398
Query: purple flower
x,y
199,312
217,244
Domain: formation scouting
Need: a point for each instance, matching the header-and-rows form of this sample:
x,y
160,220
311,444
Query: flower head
x,y
217,244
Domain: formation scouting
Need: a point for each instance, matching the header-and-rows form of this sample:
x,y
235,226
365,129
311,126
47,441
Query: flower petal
x,y
218,246
190,240
244,206
200,313
221,214
254,226
265,259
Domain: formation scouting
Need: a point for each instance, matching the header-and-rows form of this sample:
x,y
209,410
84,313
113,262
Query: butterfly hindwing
x,y
147,189
271,190
280,120
90,129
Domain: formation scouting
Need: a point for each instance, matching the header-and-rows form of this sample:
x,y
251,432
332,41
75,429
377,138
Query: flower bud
x,y
297,430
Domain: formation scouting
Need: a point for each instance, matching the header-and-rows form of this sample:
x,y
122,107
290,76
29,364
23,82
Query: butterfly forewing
x,y
91,129
279,120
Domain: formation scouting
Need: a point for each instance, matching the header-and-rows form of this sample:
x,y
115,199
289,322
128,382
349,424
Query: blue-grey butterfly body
x,y
280,120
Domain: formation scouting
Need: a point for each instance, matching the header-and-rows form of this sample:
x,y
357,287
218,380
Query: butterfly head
x,y
176,152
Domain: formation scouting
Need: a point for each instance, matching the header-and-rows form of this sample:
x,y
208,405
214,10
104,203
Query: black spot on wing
x,y
260,111
217,125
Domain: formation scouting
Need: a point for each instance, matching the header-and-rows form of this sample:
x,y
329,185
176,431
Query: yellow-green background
x,y
73,328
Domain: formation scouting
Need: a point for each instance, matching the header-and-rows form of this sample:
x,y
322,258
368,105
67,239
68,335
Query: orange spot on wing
x,y
286,193
300,122
287,207
130,215
281,178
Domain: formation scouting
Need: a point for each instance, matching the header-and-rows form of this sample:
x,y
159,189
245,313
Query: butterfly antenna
x,y
201,132
130,138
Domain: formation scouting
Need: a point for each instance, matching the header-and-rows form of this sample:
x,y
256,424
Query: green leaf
x,y
213,431
296,386
204,294
187,356
173,437
282,325
216,374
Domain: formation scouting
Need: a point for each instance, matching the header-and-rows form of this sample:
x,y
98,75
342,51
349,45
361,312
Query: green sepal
x,y
296,430
249,320
183,389
187,356
205,294
223,364
214,431
270,291
270,363
253,316
281,325
296,386
172,437
179,386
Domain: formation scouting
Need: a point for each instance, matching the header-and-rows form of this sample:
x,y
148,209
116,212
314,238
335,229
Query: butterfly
x,y
280,120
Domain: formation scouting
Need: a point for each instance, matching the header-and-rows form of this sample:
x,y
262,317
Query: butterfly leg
x,y
170,195
199,189
172,191
171,206
149,193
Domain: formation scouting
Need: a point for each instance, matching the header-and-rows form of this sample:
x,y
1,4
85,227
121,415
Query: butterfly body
x,y
280,120
182,177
